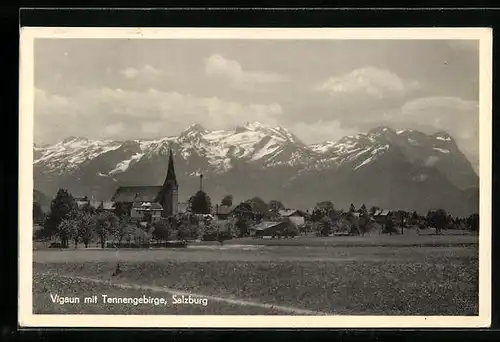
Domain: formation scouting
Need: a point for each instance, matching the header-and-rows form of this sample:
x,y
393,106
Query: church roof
x,y
146,193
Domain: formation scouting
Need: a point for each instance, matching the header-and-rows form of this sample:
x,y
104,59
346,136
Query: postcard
x,y
255,177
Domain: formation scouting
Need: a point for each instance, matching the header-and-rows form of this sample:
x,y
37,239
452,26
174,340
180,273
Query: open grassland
x,y
409,238
392,280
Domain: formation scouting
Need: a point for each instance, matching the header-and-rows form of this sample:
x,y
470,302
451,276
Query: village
x,y
145,216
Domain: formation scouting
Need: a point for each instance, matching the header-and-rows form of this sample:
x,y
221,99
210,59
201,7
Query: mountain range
x,y
403,169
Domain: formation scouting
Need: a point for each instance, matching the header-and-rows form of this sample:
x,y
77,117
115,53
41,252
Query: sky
x,y
318,89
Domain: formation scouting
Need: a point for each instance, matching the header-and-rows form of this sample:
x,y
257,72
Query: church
x,y
157,201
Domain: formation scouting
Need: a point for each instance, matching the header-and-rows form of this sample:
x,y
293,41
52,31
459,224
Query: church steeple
x,y
171,179
167,196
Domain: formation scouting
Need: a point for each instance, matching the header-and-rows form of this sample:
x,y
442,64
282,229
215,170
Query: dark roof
x,y
146,193
265,225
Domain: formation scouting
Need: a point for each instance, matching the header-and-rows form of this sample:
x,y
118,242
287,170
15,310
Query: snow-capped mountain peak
x,y
255,158
252,143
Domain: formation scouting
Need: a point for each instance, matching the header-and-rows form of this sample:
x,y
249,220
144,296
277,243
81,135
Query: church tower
x,y
168,197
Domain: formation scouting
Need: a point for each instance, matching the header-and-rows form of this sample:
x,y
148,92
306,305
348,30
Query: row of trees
x,y
68,222
325,214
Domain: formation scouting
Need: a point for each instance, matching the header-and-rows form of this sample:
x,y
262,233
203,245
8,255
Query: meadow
x,y
247,279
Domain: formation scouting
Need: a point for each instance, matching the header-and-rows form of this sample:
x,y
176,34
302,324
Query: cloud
x,y
146,71
374,82
125,114
217,65
429,105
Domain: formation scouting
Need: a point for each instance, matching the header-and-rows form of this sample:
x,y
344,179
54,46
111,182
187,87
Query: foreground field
x,y
396,280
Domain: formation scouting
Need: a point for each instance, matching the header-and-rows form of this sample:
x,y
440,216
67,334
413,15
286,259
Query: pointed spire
x,y
171,170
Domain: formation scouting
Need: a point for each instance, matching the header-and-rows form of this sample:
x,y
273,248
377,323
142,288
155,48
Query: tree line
x,y
360,221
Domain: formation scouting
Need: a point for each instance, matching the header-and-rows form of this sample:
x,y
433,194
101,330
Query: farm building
x,y
165,195
296,216
269,228
380,216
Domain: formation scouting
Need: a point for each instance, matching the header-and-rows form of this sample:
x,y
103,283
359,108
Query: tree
x,y
363,209
182,232
258,205
243,211
66,231
325,206
364,221
276,205
121,229
106,224
60,208
121,209
86,227
227,200
438,219
353,222
160,231
291,229
317,215
352,208
201,203
389,225
473,222
414,218
242,226
324,227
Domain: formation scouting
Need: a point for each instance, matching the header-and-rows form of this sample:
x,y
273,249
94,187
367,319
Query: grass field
x,y
246,279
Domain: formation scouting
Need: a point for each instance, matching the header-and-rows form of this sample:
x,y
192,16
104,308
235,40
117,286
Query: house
x,y
222,212
380,216
269,228
165,195
99,205
146,211
295,216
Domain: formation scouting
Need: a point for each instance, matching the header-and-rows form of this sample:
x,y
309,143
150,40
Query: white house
x,y
141,211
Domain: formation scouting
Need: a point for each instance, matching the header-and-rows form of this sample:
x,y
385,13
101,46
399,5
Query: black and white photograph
x,y
255,178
